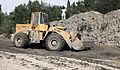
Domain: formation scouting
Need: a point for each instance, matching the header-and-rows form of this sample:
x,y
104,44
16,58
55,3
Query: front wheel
x,y
54,42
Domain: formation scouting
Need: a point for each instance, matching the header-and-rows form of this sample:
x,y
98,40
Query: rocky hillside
x,y
96,27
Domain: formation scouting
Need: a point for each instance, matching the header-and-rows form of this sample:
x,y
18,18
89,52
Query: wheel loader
x,y
40,31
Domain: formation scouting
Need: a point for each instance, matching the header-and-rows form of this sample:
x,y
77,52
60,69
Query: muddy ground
x,y
96,58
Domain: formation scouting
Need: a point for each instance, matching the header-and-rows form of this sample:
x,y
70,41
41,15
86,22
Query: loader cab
x,y
39,21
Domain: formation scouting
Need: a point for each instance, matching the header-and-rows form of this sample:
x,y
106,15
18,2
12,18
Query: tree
x,y
73,8
69,10
20,14
55,13
7,25
81,7
103,6
68,4
1,16
90,4
0,8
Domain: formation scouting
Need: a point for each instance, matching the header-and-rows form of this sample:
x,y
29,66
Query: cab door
x,y
35,32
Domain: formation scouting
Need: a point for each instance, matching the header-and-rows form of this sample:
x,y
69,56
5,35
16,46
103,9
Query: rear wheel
x,y
21,40
54,42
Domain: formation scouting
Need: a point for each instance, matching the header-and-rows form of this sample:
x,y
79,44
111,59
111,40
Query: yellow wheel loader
x,y
54,37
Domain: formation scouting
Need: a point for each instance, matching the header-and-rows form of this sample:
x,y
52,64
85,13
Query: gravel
x,y
93,26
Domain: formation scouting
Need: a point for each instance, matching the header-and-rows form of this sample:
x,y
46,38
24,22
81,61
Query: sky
x,y
9,5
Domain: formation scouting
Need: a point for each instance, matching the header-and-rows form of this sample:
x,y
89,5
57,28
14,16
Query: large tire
x,y
54,42
21,40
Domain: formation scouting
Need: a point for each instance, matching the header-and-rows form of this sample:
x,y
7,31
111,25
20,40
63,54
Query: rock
x,y
94,26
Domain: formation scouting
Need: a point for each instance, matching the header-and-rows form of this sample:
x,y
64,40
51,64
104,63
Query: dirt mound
x,y
94,26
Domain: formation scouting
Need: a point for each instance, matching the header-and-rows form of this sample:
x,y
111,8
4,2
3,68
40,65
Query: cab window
x,y
45,18
36,16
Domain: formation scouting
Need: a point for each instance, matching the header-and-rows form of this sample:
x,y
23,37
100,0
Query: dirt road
x,y
98,57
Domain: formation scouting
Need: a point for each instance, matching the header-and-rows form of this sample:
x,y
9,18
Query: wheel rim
x,y
18,41
54,44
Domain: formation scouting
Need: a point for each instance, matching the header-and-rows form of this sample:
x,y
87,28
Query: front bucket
x,y
72,39
77,44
